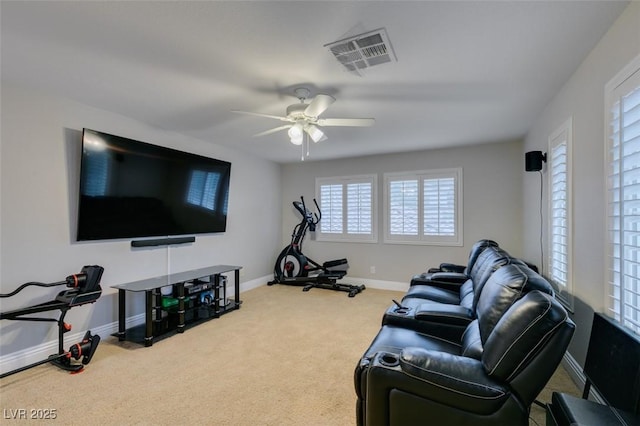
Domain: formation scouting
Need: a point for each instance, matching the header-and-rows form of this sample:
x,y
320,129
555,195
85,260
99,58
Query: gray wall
x,y
40,157
582,98
492,182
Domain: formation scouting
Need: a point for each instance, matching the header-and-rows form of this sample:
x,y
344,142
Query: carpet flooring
x,y
285,358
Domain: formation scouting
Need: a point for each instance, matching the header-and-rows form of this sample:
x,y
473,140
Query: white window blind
x,y
560,234
348,206
623,196
424,207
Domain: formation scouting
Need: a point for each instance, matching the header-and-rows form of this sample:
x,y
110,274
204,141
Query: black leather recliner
x,y
449,321
476,249
458,289
490,376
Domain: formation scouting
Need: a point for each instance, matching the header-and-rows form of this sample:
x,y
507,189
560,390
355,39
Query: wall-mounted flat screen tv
x,y
132,189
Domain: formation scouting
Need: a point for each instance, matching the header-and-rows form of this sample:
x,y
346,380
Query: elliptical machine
x,y
294,268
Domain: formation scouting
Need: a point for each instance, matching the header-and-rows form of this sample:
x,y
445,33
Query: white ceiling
x,y
467,72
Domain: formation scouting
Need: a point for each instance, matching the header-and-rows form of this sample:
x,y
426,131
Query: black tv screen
x,y
131,189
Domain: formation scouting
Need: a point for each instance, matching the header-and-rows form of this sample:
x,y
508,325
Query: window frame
x,y
420,238
615,90
345,236
563,135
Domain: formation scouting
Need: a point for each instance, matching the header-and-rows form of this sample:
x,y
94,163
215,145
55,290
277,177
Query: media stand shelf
x,y
196,296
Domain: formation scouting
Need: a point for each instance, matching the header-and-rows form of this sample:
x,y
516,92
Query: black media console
x,y
193,297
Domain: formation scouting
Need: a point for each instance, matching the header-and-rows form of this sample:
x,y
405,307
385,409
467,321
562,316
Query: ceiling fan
x,y
304,118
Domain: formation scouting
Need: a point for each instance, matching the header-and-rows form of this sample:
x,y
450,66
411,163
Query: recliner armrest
x,y
444,314
452,267
449,277
451,380
447,280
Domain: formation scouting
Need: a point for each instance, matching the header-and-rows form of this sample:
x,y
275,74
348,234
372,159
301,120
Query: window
x,y
424,207
560,237
348,206
622,106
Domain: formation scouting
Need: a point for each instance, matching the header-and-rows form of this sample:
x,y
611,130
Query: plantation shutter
x,y
422,207
348,206
331,206
559,261
623,206
439,206
403,207
359,208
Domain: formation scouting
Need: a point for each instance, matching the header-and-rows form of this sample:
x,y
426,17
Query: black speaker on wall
x,y
533,161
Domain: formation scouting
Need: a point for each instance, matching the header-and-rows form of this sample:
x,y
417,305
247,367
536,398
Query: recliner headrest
x,y
534,280
476,250
521,333
491,258
503,288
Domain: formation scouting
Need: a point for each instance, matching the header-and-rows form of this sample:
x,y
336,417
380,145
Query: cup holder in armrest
x,y
388,359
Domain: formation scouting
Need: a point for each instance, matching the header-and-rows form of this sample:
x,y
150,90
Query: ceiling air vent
x,y
363,51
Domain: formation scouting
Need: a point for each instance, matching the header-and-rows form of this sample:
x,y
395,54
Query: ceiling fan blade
x,y
348,122
259,114
274,130
318,105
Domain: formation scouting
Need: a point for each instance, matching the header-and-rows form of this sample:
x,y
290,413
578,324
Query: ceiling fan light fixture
x,y
303,119
316,134
295,131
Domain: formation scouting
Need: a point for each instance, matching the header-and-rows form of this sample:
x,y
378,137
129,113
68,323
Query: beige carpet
x,y
285,358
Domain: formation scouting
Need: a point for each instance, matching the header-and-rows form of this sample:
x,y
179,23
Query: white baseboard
x,y
24,357
577,375
367,282
258,282
378,284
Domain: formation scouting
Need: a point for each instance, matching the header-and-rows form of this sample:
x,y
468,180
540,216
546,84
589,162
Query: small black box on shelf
x,y
204,311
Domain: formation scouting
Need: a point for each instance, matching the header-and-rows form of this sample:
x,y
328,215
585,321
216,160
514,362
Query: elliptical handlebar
x,y
307,222
319,214
307,215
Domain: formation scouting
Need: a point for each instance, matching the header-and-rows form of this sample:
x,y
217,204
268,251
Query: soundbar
x,y
162,241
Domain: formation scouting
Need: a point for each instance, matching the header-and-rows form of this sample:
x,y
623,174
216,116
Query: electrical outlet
x,y
372,269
